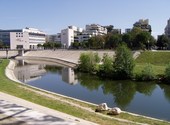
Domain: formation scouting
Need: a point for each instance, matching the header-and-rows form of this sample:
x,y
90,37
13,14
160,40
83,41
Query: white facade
x,y
96,29
27,38
69,35
19,40
35,37
76,34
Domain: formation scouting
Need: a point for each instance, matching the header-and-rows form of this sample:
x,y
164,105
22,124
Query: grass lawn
x,y
155,58
12,88
159,60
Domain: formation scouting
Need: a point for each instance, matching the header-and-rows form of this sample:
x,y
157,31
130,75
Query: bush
x,y
106,68
147,74
89,62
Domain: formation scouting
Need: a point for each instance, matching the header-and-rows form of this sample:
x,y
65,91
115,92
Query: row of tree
x,y
121,67
49,45
3,45
136,39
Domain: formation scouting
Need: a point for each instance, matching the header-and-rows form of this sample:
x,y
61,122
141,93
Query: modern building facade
x,y
69,35
76,34
167,29
143,24
27,38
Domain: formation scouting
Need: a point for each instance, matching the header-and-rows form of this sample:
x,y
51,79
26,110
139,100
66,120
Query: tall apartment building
x,y
167,29
27,38
143,24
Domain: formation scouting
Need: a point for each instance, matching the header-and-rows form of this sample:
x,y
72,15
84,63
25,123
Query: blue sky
x,y
53,15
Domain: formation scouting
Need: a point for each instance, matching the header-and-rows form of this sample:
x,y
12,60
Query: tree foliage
x,y
88,62
163,42
147,74
124,63
106,68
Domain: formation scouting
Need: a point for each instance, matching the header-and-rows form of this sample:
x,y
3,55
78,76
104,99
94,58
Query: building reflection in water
x,y
26,73
69,76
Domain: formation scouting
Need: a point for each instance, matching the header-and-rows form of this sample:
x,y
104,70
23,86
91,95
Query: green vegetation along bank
x,y
65,105
147,67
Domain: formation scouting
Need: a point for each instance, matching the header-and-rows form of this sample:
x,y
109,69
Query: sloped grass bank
x,y
158,60
10,87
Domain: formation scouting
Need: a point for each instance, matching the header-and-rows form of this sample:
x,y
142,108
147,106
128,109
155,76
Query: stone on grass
x,y
114,111
102,107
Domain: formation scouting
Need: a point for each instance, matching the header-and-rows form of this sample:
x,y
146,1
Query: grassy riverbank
x,y
158,60
66,105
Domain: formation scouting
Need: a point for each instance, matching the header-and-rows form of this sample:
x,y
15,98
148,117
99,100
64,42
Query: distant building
x,y
76,34
167,29
51,38
128,30
95,29
69,35
143,24
116,31
27,38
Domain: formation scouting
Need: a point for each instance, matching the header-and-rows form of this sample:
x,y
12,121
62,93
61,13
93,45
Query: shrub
x,y
88,62
106,68
147,74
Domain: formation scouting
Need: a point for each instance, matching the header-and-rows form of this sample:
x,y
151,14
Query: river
x,y
145,98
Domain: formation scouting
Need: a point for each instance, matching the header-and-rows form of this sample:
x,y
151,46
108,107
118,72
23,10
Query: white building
x,y
96,29
167,29
76,34
69,35
27,38
143,24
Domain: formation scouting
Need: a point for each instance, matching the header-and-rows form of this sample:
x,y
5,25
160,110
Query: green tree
x,y
96,42
106,68
141,40
127,38
124,63
113,40
163,42
75,45
1,44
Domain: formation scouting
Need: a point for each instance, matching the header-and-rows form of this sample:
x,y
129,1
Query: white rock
x,y
102,107
115,111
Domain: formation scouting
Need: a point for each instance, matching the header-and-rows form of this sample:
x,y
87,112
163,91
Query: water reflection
x,y
26,72
68,76
166,90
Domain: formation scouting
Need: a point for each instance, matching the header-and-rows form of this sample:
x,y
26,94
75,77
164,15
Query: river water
x,y
145,98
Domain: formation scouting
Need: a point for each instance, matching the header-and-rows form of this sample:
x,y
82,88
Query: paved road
x,y
16,111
